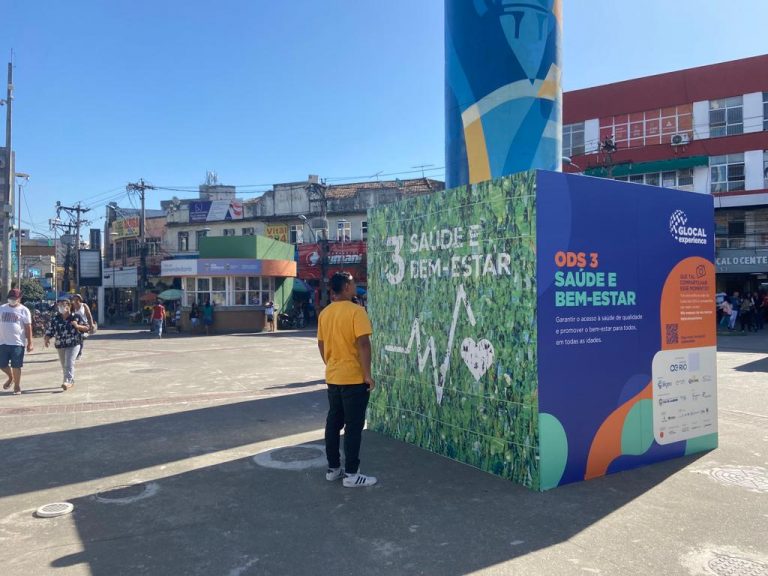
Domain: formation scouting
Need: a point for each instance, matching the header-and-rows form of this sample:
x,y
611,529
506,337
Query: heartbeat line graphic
x,y
477,356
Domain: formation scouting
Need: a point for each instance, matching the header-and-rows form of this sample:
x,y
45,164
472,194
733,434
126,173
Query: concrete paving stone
x,y
184,416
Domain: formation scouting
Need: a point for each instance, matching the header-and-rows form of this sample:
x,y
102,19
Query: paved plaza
x,y
165,447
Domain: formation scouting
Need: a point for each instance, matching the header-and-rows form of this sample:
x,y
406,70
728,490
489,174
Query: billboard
x,y
277,232
546,328
215,210
89,267
349,256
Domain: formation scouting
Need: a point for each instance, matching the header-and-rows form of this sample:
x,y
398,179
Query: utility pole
x,y
141,187
8,192
319,191
75,222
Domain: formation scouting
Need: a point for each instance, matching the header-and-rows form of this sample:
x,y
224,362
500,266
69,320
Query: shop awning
x,y
649,167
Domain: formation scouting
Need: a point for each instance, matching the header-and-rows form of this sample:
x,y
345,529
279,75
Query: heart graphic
x,y
477,356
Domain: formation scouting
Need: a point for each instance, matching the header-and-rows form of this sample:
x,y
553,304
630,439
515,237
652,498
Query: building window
x,y
765,169
343,231
153,246
132,248
726,116
726,173
118,250
670,179
200,234
252,291
229,231
648,128
765,111
183,241
239,291
296,234
249,231
730,229
364,230
573,139
321,233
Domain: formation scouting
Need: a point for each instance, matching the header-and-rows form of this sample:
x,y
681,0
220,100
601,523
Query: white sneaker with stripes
x,y
358,481
334,474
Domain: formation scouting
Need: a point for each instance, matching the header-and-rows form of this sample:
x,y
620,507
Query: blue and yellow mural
x,y
503,89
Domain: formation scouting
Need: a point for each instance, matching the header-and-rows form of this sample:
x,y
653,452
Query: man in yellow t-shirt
x,y
343,337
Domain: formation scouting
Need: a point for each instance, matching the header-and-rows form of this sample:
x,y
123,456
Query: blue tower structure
x,y
503,88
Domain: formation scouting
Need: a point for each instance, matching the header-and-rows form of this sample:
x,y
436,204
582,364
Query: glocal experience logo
x,y
678,227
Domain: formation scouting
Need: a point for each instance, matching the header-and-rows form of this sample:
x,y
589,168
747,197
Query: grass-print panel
x,y
452,298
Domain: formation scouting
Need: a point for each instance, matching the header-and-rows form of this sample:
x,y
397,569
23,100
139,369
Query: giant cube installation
x,y
546,328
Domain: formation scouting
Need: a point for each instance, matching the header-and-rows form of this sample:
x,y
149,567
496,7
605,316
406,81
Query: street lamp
x,y
18,241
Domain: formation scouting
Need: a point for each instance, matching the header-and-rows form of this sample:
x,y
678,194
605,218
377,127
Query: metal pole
x,y
8,192
18,242
143,242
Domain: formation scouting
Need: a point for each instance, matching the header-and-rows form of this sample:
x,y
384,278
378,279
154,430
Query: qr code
x,y
672,336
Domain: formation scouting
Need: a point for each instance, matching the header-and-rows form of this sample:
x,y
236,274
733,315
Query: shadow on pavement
x,y
84,454
296,385
427,515
307,333
756,366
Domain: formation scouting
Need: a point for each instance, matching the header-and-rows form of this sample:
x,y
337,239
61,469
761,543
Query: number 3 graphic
x,y
397,243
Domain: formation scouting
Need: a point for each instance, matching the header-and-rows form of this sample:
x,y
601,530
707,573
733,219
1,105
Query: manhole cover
x,y
55,509
293,457
127,493
147,370
724,565
754,479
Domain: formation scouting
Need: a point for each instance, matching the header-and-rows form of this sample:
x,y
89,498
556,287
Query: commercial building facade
x,y
703,130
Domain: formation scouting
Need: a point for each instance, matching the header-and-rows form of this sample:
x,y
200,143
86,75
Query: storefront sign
x,y
126,277
742,261
171,268
350,256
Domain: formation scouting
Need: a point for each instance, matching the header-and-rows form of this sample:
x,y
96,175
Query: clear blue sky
x,y
267,91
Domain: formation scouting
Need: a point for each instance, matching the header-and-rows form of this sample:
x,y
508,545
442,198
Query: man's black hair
x,y
339,280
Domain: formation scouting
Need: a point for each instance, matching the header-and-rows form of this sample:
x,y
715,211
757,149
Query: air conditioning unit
x,y
680,139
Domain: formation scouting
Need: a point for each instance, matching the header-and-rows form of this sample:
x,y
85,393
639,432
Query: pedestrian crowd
x,y
743,311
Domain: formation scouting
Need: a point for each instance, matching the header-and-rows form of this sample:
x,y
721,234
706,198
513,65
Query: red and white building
x,y
702,129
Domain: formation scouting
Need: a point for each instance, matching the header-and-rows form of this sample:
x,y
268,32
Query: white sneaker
x,y
358,481
334,474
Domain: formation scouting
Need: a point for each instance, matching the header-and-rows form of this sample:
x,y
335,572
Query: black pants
x,y
346,409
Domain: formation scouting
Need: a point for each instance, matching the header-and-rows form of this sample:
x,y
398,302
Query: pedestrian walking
x,y
746,309
158,318
15,335
343,338
177,318
735,306
77,306
270,312
194,317
207,314
67,330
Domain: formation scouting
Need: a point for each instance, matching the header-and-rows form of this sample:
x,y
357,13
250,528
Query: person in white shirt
x,y
15,334
270,312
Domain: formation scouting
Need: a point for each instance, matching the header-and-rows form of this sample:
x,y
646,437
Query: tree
x,y
31,289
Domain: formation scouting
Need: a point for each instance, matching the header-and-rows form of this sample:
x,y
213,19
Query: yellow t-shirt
x,y
338,328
